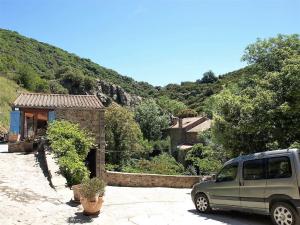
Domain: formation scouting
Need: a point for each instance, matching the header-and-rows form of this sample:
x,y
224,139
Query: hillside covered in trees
x,y
40,67
254,109
53,70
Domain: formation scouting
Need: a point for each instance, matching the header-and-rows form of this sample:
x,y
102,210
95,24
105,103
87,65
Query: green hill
x,y
19,55
195,94
40,67
8,92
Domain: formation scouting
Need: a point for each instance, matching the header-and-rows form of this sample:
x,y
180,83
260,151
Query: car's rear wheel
x,y
202,203
284,214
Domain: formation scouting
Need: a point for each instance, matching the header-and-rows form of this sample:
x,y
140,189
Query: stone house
x,y
31,112
183,133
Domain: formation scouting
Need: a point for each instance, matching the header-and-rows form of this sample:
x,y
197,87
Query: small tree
x,y
187,113
123,135
208,77
151,119
170,105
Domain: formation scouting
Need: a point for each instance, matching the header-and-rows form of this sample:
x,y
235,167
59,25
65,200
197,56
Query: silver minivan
x,y
264,183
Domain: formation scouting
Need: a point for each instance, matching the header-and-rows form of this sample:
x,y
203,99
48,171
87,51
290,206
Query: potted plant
x,y
91,195
76,193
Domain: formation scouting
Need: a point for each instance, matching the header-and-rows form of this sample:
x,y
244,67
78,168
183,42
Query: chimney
x,y
174,120
180,122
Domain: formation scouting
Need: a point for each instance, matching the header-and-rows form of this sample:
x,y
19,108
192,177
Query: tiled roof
x,y
193,124
36,100
186,121
201,127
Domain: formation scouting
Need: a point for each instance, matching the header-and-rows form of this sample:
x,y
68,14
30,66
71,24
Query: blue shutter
x,y
51,116
15,119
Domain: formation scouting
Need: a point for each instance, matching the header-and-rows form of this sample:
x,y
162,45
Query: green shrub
x,y
162,145
64,133
91,187
70,146
111,167
187,113
205,158
73,168
162,164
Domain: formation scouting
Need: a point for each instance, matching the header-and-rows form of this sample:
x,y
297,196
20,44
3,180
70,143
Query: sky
x,y
157,41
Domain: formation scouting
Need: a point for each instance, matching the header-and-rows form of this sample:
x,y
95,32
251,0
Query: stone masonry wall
x,y
93,121
149,180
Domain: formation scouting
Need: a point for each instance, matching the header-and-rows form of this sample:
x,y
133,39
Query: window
x,y
254,170
279,167
228,173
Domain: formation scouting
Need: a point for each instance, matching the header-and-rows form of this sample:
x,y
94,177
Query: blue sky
x,y
158,41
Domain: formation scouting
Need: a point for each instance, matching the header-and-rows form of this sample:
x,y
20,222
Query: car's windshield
x,y
228,173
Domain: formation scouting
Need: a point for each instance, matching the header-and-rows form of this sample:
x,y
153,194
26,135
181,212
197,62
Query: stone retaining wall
x,y
150,180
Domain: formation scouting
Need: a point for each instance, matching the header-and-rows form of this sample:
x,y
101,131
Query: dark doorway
x,y
91,162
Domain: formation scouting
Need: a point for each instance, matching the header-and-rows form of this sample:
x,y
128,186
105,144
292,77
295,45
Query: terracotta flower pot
x,y
91,206
76,192
13,137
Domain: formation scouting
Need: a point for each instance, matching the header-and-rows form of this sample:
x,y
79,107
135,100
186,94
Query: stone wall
x,y
93,121
150,180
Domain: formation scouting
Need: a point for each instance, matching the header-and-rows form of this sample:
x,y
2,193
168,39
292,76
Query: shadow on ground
x,y
72,203
234,217
81,218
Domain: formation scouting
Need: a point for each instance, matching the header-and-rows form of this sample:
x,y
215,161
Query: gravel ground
x,y
27,198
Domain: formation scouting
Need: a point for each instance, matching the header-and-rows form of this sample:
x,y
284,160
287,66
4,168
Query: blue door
x,y
51,116
15,119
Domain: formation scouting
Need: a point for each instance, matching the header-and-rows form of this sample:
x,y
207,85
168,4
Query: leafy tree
x,y
262,111
271,53
187,113
208,77
170,105
76,82
42,86
151,119
123,136
204,158
57,88
27,77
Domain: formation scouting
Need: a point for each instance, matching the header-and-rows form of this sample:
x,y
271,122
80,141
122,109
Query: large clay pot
x,y
91,206
13,137
76,192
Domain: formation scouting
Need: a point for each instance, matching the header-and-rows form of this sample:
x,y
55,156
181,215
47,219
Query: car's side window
x,y
228,173
279,167
254,170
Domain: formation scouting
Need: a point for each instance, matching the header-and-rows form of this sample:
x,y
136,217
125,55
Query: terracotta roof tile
x,y
36,100
201,127
186,121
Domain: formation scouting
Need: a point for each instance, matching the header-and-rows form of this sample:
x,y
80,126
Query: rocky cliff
x,y
108,93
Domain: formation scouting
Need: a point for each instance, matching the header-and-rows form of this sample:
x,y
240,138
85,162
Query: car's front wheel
x,y
202,203
284,214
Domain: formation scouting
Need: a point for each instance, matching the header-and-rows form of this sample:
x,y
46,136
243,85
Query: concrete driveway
x,y
163,206
27,198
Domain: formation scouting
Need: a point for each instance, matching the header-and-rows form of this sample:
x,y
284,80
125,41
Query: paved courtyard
x,y
27,198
